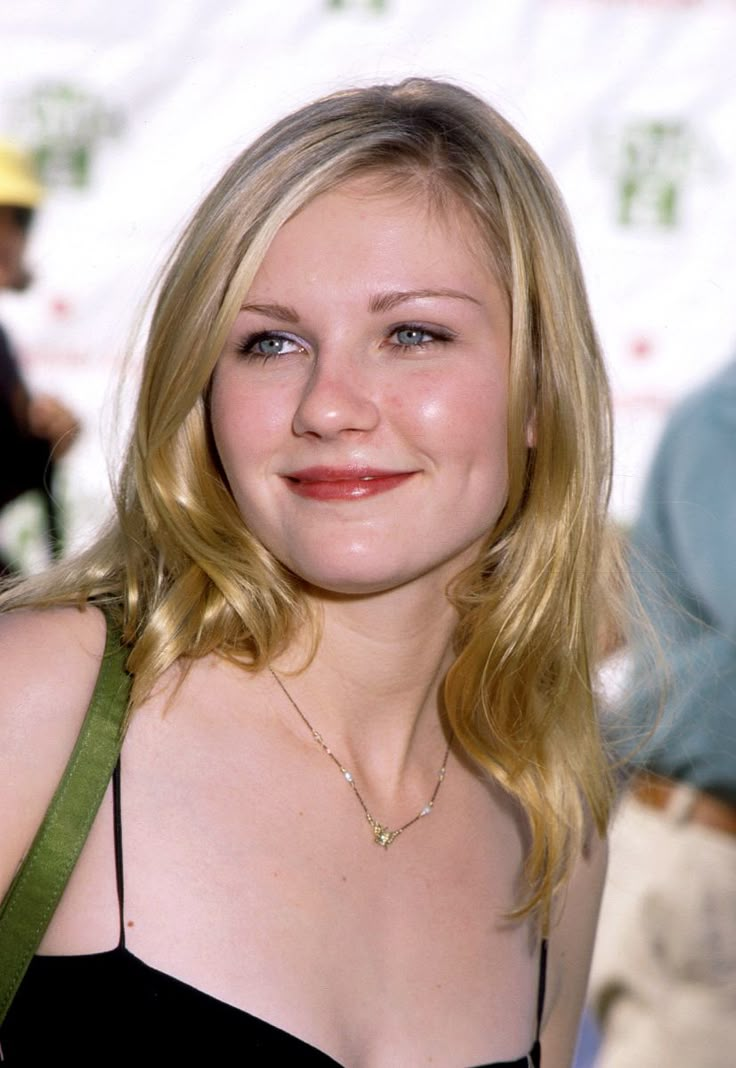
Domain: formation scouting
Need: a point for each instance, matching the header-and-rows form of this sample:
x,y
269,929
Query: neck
x,y
373,689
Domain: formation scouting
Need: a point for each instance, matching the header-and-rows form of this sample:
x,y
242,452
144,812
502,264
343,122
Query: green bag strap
x,y
40,881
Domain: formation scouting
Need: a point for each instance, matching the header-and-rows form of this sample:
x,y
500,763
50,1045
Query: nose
x,y
336,399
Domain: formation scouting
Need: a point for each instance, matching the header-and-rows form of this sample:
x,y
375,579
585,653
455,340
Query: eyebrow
x,y
273,311
385,301
381,302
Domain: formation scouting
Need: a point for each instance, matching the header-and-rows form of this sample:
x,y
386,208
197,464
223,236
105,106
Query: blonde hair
x,y
185,575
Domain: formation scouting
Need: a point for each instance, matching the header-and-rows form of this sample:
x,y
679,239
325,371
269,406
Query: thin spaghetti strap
x,y
118,833
542,984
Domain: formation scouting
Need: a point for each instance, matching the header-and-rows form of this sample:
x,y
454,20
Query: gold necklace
x,y
382,835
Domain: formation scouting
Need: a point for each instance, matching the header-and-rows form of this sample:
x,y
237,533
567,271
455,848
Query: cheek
x,y
224,425
234,435
469,423
480,444
245,423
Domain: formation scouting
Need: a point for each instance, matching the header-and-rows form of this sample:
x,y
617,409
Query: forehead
x,y
369,225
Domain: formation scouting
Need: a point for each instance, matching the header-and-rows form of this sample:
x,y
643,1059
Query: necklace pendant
x,y
383,836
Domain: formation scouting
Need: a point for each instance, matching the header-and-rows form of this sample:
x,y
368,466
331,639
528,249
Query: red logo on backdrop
x,y
641,347
60,308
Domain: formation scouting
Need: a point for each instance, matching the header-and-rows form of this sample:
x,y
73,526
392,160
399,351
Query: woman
x,y
359,541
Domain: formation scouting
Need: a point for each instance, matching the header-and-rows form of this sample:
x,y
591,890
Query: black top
x,y
26,463
113,1009
25,457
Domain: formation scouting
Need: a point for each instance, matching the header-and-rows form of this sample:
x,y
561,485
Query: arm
x,y
52,421
570,950
49,662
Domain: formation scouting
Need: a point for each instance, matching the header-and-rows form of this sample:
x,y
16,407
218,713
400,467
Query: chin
x,y
360,569
351,585
369,581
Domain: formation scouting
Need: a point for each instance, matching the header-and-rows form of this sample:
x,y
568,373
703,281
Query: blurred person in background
x,y
35,430
663,981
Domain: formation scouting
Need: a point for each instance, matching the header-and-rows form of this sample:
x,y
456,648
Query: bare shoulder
x,y
49,661
570,949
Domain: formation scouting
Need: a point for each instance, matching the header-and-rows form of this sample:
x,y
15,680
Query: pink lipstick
x,y
344,483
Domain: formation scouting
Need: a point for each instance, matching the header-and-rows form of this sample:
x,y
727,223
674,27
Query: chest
x,y
266,890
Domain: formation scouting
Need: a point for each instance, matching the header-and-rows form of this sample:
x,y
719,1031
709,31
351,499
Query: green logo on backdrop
x,y
376,5
63,124
653,162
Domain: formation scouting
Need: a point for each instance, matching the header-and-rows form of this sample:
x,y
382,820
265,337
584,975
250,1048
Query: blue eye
x,y
416,336
267,344
412,335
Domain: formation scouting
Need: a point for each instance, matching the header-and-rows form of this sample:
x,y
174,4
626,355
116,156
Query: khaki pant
x,y
663,982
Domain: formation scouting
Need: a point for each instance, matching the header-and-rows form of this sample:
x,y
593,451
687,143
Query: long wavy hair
x,y
186,577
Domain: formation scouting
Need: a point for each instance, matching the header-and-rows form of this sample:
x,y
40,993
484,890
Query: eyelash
x,y
435,335
246,346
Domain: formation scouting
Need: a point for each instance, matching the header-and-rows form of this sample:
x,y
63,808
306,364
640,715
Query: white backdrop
x,y
135,108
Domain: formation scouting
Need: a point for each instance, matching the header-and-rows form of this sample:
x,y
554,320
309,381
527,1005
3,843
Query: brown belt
x,y
708,811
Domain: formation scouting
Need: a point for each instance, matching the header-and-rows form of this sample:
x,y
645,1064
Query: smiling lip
x,y
344,483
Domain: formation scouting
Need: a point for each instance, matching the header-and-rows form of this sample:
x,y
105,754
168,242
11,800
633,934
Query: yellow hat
x,y
19,185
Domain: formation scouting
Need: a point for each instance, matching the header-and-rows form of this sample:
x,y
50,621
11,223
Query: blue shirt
x,y
684,565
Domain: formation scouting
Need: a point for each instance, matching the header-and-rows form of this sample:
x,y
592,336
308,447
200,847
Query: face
x,y
12,247
360,404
